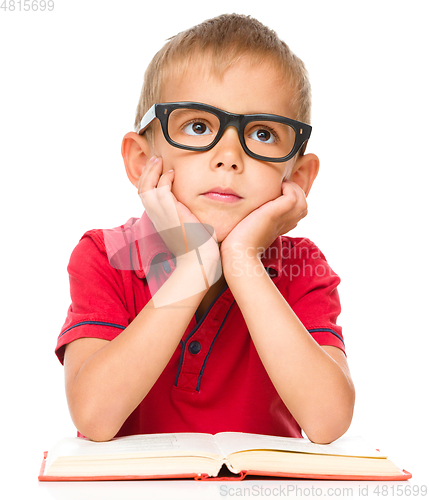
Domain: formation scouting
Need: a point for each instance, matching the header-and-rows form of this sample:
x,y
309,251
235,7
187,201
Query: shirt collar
x,y
134,245
150,246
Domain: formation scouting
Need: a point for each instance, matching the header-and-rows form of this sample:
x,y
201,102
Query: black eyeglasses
x,y
199,127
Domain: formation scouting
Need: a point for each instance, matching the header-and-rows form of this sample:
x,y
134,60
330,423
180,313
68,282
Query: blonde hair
x,y
221,42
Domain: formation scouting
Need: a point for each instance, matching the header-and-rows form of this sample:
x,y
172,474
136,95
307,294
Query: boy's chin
x,y
222,233
222,226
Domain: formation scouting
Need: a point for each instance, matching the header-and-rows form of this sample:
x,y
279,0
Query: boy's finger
x,y
168,206
153,173
296,196
166,179
165,196
149,201
144,173
150,174
289,197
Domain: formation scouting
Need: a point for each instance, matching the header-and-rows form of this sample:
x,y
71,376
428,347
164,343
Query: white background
x,y
69,86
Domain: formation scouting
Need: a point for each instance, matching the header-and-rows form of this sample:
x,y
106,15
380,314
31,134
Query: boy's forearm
x,y
312,385
111,383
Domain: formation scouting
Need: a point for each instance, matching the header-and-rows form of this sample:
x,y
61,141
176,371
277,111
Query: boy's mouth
x,y
226,195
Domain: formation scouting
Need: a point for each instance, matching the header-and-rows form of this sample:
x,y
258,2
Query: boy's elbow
x,y
332,427
101,438
325,436
95,432
94,427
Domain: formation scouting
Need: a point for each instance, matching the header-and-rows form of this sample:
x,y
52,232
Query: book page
x,y
167,445
231,442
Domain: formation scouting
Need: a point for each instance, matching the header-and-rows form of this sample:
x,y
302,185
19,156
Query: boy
x,y
258,349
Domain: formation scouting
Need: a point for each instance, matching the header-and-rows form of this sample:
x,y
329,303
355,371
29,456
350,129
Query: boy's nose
x,y
228,152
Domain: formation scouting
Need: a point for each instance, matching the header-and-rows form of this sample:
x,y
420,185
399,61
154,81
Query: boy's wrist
x,y
185,286
193,266
239,252
240,263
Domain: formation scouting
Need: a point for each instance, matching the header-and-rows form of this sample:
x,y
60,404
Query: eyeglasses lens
x,y
193,127
269,138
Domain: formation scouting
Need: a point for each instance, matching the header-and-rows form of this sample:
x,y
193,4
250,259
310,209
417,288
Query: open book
x,y
202,456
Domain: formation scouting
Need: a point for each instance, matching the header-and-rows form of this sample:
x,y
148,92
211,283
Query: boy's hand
x,y
260,228
181,231
162,207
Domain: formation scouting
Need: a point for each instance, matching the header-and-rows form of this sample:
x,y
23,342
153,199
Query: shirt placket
x,y
198,343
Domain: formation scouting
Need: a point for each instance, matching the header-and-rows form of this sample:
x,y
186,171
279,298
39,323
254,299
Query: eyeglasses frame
x,y
162,111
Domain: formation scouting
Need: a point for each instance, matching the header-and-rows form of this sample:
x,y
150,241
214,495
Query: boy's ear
x,y
136,151
305,171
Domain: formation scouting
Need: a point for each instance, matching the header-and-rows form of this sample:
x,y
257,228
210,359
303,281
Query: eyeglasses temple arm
x,y
147,119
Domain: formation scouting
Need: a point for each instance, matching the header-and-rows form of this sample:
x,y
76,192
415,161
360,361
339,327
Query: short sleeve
x,y
98,305
312,291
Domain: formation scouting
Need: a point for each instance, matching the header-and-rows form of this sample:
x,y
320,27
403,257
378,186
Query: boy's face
x,y
199,176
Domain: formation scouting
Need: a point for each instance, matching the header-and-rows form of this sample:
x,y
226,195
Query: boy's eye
x,y
196,128
262,135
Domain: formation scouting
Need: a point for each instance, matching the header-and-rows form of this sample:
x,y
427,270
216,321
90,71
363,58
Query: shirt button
x,y
272,273
194,347
166,266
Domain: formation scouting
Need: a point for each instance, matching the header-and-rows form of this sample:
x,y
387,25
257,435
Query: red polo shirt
x,y
215,380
